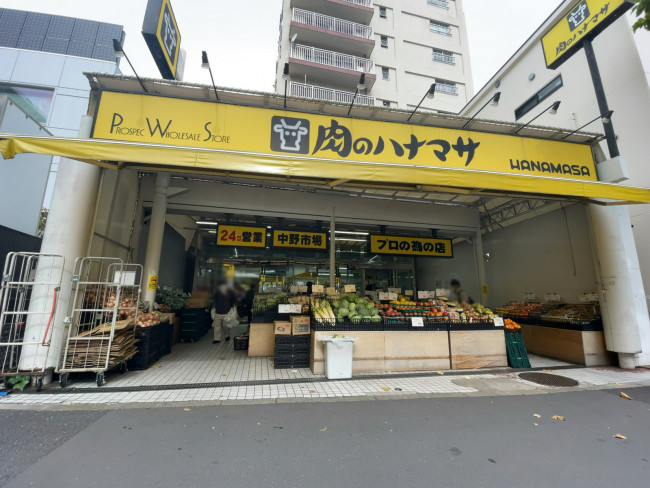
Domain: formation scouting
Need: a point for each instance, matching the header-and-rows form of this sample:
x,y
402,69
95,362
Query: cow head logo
x,y
290,135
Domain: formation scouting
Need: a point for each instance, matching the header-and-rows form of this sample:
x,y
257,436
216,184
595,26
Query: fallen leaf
x,y
385,388
619,436
187,409
558,417
224,374
540,388
548,370
440,372
312,391
537,416
627,397
155,366
323,429
222,358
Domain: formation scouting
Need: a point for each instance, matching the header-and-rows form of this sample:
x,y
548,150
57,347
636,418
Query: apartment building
x,y
402,47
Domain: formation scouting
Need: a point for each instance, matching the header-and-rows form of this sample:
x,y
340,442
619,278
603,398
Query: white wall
x,y
624,62
432,273
538,256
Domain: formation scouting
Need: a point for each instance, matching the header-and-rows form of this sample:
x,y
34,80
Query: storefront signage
x,y
161,33
410,246
299,240
235,235
585,20
290,136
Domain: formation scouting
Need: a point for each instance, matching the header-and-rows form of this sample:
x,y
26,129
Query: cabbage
x,y
352,306
360,300
344,312
335,304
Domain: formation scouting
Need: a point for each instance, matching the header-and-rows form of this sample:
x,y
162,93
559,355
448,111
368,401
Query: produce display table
x,y
379,351
477,349
585,347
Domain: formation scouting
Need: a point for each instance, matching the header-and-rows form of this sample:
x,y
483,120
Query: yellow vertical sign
x,y
153,282
585,20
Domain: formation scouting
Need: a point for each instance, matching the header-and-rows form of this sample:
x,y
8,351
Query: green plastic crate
x,y
517,355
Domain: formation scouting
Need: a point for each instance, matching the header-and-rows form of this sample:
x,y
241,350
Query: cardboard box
x,y
261,340
282,327
300,325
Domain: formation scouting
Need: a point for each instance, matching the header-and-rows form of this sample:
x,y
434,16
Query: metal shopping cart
x,y
103,316
28,302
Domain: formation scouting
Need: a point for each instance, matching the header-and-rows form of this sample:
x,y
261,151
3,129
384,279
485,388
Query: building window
x,y
539,97
440,3
382,13
448,87
439,28
35,102
385,73
385,103
443,56
384,41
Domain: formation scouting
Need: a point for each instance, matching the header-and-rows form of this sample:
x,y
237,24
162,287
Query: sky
x,y
241,37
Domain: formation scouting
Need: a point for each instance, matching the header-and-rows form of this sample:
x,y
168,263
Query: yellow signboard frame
x,y
404,246
262,133
585,20
240,236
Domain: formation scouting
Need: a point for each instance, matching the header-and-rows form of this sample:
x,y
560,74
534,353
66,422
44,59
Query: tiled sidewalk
x,y
203,362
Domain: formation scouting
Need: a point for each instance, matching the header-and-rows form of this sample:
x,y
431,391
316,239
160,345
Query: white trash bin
x,y
338,357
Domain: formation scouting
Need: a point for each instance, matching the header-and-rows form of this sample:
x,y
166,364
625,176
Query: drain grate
x,y
549,379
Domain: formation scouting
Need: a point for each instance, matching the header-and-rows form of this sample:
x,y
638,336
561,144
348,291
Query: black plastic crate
x,y
292,339
291,349
240,343
291,361
464,325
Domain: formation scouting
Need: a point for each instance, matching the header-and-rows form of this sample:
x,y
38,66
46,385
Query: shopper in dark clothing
x,y
248,300
224,301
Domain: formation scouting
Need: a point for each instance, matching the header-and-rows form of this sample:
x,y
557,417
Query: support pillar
x,y
333,248
622,297
480,267
155,240
68,226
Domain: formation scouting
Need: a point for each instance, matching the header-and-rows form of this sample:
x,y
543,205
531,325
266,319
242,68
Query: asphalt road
x,y
457,442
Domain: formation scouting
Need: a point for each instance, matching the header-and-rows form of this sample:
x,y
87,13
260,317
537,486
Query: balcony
x,y
330,68
325,31
328,94
360,11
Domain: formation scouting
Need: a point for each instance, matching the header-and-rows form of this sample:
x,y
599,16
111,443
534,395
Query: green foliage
x,y
642,11
18,382
174,298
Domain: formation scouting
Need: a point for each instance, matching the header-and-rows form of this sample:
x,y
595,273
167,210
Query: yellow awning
x,y
115,155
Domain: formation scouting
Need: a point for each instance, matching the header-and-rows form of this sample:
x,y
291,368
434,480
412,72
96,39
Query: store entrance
x,y
401,276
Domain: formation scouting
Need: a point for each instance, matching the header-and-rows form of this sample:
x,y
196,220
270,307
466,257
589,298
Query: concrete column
x,y
622,298
156,231
333,248
480,267
66,233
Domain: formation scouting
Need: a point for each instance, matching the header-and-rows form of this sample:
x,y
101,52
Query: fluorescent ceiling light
x,y
412,201
351,232
206,222
349,240
212,232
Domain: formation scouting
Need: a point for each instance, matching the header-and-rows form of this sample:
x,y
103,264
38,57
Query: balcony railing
x,y
444,57
448,88
440,3
331,23
331,58
328,94
363,3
